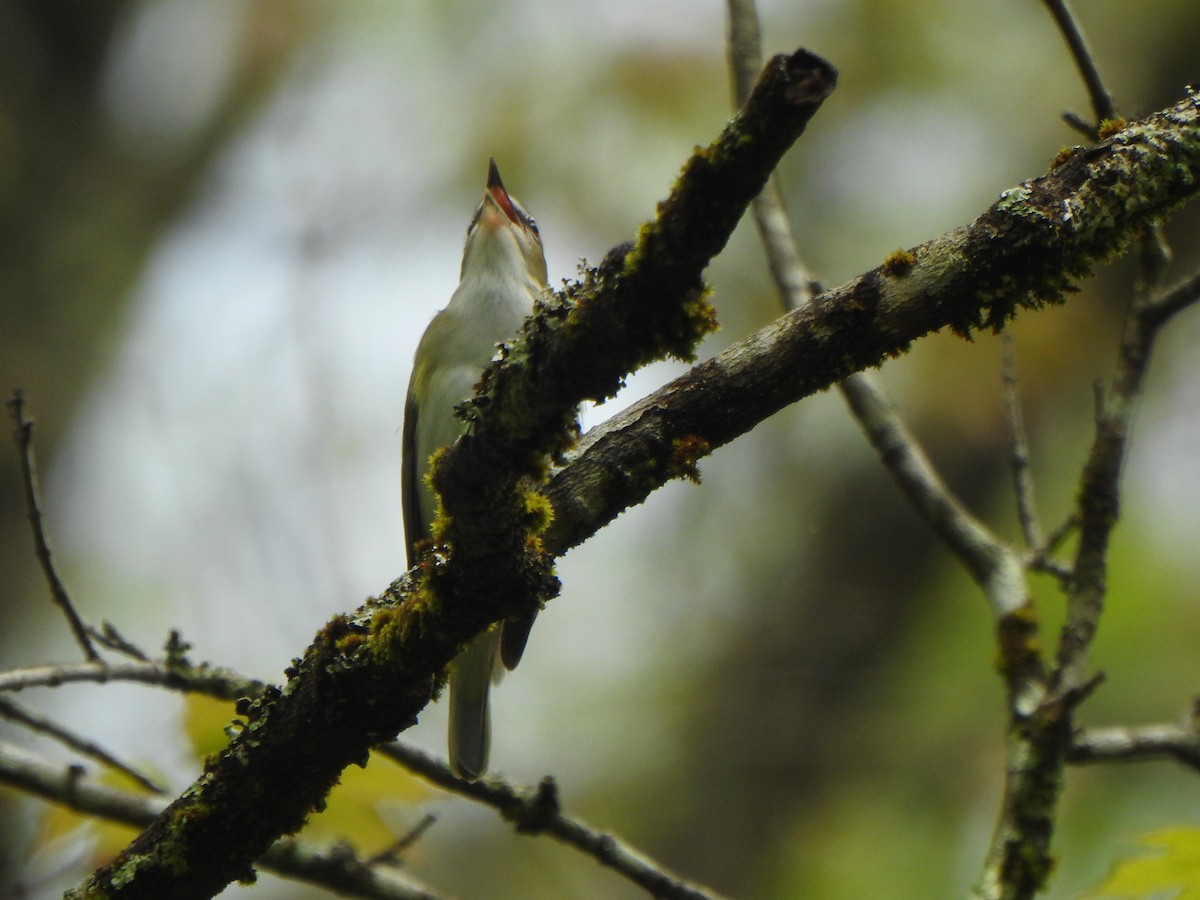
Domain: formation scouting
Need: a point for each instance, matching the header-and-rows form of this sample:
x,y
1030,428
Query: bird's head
x,y
503,240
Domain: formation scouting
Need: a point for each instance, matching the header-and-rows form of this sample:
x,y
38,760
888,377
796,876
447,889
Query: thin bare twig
x,y
996,567
108,636
15,713
1099,493
339,871
1102,101
975,546
983,555
1080,124
201,679
1044,742
392,854
1180,742
1019,450
794,279
23,435
1039,560
537,810
1157,309
1064,530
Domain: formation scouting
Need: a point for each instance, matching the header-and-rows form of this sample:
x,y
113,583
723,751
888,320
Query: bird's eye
x,y
525,218
475,218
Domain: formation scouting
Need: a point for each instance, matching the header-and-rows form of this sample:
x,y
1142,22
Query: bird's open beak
x,y
495,190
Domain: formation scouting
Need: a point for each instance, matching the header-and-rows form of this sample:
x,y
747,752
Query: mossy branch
x,y
1028,249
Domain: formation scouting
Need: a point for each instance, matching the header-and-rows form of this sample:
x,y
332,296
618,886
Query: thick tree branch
x,y
338,871
646,301
1026,250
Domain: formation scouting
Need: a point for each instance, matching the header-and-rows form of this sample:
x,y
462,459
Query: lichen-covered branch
x,y
338,871
1028,249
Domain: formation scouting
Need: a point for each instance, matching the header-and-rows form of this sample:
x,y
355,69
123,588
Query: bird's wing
x,y
411,474
514,637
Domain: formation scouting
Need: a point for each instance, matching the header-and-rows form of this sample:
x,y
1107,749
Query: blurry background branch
x,y
23,435
101,201
538,811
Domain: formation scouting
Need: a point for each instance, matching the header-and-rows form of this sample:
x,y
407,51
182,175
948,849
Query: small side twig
x,y
1099,489
1102,101
200,679
536,810
1055,538
23,435
1180,741
393,854
1019,460
15,713
1158,308
794,279
108,636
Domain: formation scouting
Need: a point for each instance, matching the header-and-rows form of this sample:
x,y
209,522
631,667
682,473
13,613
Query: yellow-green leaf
x,y
1175,869
368,809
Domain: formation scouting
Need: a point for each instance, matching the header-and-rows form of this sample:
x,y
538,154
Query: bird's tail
x,y
471,676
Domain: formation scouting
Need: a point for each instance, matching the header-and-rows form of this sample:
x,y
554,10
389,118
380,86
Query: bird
x,y
503,273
